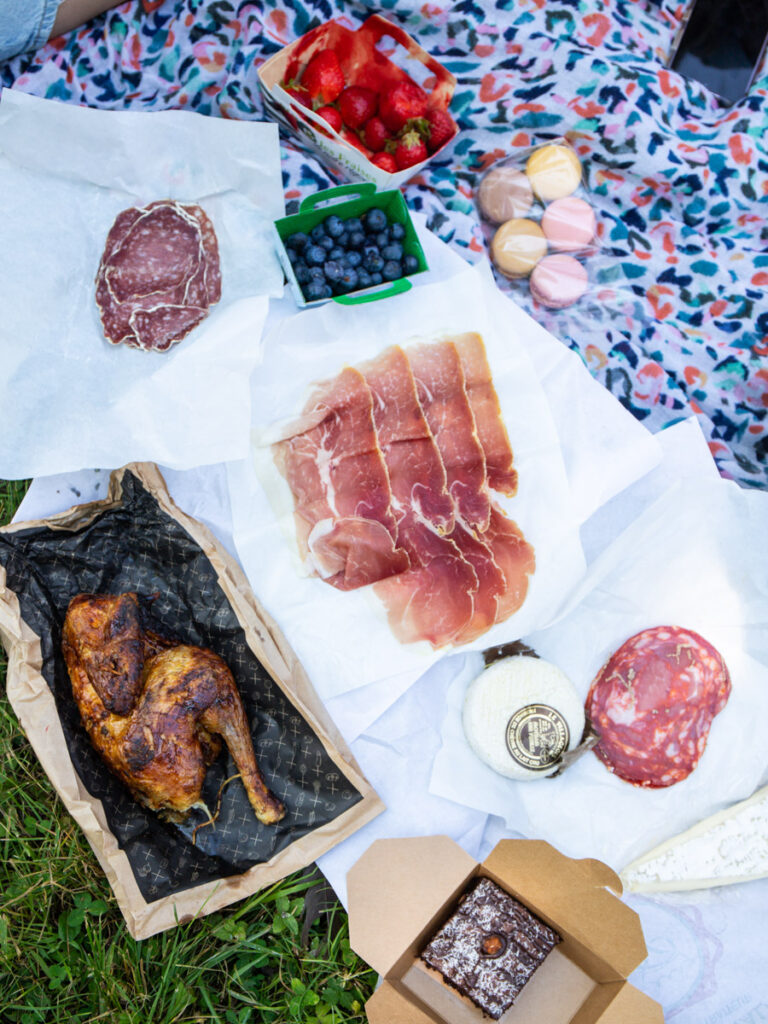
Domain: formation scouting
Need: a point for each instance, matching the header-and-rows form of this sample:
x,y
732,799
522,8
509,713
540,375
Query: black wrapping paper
x,y
136,546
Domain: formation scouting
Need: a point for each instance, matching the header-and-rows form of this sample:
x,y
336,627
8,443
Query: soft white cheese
x,y
731,846
520,715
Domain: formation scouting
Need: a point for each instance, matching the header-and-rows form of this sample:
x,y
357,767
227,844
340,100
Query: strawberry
x,y
441,128
401,103
410,150
323,78
375,134
386,162
357,105
298,92
332,116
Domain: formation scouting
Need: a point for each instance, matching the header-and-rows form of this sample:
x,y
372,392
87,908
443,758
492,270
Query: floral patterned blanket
x,y
678,321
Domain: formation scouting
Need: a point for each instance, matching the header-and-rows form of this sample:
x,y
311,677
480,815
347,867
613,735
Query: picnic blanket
x,y
681,183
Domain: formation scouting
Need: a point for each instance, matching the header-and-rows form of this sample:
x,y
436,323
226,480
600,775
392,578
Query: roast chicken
x,y
155,710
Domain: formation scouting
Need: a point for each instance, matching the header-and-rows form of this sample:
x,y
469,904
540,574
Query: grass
x,y
281,956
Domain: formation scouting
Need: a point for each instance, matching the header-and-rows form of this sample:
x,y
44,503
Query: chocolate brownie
x,y
489,947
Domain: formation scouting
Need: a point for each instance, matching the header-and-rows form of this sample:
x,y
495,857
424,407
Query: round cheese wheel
x,y
520,715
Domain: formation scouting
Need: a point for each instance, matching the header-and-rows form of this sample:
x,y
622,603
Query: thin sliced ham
x,y
484,403
514,556
434,599
443,397
335,469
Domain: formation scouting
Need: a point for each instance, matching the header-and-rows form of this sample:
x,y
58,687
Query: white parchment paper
x,y
344,638
696,558
71,400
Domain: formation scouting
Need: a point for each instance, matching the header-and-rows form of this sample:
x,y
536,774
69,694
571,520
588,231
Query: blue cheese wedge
x,y
731,846
521,715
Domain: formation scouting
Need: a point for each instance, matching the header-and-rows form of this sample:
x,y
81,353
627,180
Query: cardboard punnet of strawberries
x,y
347,97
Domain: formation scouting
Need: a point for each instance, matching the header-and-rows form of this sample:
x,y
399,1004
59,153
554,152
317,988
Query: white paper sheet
x,y
70,400
695,558
343,638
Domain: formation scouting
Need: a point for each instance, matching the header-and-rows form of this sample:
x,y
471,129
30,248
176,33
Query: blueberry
x,y
292,255
393,251
316,274
315,255
363,279
297,240
381,239
343,239
333,271
336,253
318,232
327,243
370,249
302,272
410,264
376,277
348,281
356,240
373,263
397,232
352,259
334,226
392,270
353,224
317,290
375,220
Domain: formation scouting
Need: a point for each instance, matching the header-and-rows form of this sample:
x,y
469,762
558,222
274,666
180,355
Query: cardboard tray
x,y
363,64
316,208
402,890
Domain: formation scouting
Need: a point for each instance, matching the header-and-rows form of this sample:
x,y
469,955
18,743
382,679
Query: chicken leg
x,y
155,710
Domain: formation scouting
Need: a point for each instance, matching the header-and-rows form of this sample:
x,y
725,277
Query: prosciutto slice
x,y
443,397
434,599
484,403
335,469
159,274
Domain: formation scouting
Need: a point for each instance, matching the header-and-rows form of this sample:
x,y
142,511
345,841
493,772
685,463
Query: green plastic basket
x,y
316,208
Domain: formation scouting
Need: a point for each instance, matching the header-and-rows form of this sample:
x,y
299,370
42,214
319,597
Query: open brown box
x,y
402,890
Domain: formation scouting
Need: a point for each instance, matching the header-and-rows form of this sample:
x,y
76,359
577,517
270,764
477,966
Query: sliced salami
x,y
653,703
159,274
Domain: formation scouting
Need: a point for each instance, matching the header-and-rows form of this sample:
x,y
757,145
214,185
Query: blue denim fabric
x,y
25,25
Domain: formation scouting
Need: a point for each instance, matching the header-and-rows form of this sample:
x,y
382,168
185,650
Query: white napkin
x,y
695,557
71,400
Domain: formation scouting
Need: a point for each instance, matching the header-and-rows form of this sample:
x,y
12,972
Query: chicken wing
x,y
155,709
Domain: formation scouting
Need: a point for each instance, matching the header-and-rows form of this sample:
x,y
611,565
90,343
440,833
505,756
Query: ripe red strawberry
x,y
441,128
323,78
400,103
386,162
332,116
410,150
375,134
357,105
299,93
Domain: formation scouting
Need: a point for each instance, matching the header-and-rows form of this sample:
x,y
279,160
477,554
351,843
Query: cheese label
x,y
536,736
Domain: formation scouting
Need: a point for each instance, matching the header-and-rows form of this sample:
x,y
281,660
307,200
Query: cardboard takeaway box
x,y
363,63
402,890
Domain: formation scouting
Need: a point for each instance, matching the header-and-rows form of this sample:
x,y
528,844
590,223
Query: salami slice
x,y
653,703
159,274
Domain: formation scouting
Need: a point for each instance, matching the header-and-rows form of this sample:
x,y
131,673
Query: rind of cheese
x,y
730,846
503,694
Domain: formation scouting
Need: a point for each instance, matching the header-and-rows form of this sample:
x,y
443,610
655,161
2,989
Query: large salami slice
x,y
653,703
159,274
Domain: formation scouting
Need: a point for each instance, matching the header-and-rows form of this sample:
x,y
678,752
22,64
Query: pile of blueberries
x,y
340,256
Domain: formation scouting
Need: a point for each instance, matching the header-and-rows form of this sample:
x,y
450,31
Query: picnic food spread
x,y
158,276
392,465
521,714
155,710
490,947
653,703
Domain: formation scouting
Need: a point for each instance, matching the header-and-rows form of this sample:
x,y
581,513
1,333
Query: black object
x,y
136,546
722,44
